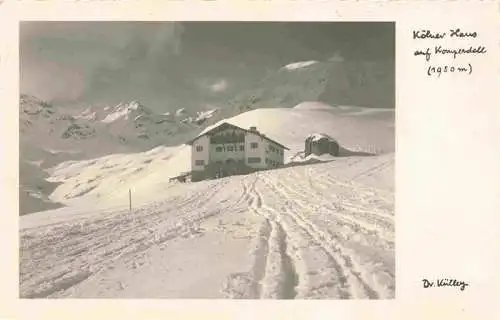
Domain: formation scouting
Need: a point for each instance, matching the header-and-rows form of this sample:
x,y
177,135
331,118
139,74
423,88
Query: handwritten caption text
x,y
448,51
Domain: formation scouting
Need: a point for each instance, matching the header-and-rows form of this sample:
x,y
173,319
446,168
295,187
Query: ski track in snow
x,y
345,274
316,236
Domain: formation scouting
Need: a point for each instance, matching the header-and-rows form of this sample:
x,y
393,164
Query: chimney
x,y
253,129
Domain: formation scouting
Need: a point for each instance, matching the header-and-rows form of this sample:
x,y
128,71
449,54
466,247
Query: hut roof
x,y
319,136
226,125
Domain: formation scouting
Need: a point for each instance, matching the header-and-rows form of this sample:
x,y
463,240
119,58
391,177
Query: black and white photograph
x,y
207,160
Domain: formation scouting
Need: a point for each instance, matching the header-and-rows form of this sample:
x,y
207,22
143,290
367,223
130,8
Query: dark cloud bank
x,y
169,65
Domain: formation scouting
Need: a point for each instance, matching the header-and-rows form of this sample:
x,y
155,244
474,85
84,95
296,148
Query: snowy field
x,y
311,231
322,231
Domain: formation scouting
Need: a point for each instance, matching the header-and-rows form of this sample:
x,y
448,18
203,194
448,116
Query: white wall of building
x,y
274,154
209,154
259,152
204,143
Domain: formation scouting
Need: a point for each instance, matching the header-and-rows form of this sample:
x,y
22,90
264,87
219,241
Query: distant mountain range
x,y
126,127
51,134
335,82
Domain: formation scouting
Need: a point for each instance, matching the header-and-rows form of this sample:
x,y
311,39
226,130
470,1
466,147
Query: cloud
x,y
219,86
167,63
71,60
50,80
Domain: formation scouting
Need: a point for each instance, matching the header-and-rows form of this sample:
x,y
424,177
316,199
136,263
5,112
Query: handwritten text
x,y
448,50
444,283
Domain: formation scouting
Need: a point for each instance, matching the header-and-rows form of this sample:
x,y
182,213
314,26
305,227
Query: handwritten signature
x,y
445,283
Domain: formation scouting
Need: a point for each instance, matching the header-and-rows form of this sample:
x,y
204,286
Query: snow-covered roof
x,y
319,136
225,125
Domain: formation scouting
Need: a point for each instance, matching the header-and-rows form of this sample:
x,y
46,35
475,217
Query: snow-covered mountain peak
x,y
88,114
133,105
180,112
124,110
202,116
288,86
299,65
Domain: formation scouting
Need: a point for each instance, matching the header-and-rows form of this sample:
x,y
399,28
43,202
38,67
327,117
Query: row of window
x,y
250,160
254,160
229,161
229,148
228,138
274,149
253,145
280,152
272,162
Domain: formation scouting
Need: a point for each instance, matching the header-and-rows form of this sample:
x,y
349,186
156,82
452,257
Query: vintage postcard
x,y
197,155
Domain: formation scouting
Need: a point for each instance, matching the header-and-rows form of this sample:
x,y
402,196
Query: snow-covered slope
x,y
286,87
310,231
357,129
106,180
335,82
316,105
51,135
322,231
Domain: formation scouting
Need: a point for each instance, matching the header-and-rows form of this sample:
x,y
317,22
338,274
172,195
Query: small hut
x,y
319,144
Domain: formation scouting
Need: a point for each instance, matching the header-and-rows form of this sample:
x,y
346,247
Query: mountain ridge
x,y
52,134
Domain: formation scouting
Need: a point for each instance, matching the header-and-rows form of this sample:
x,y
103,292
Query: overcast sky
x,y
165,64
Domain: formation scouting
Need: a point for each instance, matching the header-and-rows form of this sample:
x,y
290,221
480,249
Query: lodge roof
x,y
226,125
320,136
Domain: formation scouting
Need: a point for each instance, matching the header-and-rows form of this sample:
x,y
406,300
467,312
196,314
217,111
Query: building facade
x,y
228,150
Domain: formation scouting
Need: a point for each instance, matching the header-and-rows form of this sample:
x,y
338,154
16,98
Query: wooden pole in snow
x,y
130,200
